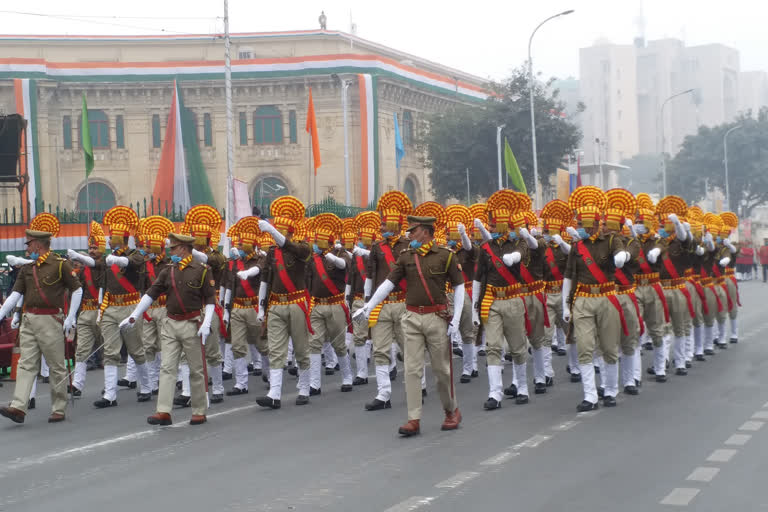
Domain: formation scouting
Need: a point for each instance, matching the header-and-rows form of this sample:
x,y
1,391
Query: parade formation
x,y
598,279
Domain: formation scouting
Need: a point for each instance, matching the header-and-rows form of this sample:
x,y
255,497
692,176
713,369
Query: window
x,y
119,132
207,131
267,190
409,188
267,125
156,131
98,124
95,198
292,127
243,129
407,127
66,124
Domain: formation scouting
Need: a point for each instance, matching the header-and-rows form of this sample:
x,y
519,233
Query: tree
x,y
699,164
465,138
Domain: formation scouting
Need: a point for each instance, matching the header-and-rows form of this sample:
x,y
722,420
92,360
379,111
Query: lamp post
x,y
661,122
498,152
725,161
533,117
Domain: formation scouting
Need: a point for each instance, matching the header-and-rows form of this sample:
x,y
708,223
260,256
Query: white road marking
x,y
765,404
721,455
680,496
499,459
532,442
738,439
760,415
752,426
412,503
566,426
703,474
457,480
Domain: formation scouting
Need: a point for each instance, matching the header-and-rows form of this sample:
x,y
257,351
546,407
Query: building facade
x,y
128,84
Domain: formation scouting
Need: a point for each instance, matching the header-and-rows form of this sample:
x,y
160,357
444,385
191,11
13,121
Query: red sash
x,y
646,269
331,287
717,297
282,273
124,282
624,280
387,250
599,276
89,283
504,272
528,278
716,273
700,293
672,271
549,255
247,288
361,267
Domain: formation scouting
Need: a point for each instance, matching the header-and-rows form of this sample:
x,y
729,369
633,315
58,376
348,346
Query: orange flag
x,y
312,131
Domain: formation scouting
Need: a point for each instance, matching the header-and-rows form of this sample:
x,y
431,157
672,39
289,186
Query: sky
x,y
486,39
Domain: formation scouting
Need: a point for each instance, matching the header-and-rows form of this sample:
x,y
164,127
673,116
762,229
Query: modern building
x,y
128,84
753,91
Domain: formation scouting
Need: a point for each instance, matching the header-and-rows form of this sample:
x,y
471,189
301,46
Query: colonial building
x,y
128,84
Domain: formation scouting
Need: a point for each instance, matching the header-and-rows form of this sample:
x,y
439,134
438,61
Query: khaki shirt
x,y
152,266
378,269
677,252
296,255
602,250
218,266
55,276
559,260
355,278
438,267
193,284
130,272
486,271
648,243
235,284
337,275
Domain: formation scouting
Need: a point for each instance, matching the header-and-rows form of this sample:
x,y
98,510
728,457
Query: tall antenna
x,y
640,25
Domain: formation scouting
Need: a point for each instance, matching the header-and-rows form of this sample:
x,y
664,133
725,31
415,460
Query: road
x,y
695,442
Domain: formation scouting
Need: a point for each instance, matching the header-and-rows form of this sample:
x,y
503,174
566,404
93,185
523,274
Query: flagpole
x,y
228,98
468,200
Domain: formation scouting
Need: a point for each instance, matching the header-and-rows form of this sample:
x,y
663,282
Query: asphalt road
x,y
695,442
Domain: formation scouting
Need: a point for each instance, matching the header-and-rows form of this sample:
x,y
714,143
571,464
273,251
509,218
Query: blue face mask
x,y
176,259
142,252
495,236
718,239
582,233
415,244
242,253
388,234
152,255
547,238
663,233
316,249
33,256
512,235
452,243
361,245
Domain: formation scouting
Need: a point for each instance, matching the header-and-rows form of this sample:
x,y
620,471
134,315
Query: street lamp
x,y
498,152
725,161
533,117
661,122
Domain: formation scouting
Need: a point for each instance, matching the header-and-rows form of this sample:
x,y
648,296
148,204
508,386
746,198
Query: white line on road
x,y
499,459
703,474
457,480
532,442
412,503
752,426
738,439
566,426
721,455
680,496
760,415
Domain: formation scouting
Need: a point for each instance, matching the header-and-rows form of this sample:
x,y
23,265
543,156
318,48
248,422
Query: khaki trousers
x,y
245,330
467,329
41,334
181,336
88,334
733,292
427,332
652,312
329,323
359,329
151,332
720,316
113,339
596,325
538,336
388,329
555,312
678,312
212,349
710,295
506,320
287,321
698,310
629,343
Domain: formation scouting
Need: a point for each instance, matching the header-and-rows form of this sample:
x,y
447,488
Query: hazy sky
x,y
483,38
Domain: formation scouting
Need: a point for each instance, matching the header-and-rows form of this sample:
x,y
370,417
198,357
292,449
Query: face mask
x,y
316,249
663,233
452,243
33,256
152,255
242,253
388,234
512,235
718,239
582,233
547,238
495,236
361,245
415,244
142,252
640,229
176,259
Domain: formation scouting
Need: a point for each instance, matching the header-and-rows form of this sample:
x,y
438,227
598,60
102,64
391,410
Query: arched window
x,y
96,198
267,125
98,123
410,188
407,127
267,190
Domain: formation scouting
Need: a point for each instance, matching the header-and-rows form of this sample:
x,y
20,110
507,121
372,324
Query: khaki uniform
x,y
427,331
120,306
245,329
217,266
88,330
328,319
194,288
356,279
41,328
651,308
151,331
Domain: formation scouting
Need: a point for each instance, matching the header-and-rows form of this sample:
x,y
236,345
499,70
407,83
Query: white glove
x,y
16,261
16,321
653,254
564,246
204,331
384,289
143,305
339,263
251,272
69,324
120,261
484,232
532,242
511,259
10,303
699,250
461,229
729,245
225,318
276,235
260,315
673,218
200,257
566,314
205,327
574,234
619,259
566,293
363,312
85,260
534,232
628,223
234,253
725,261
458,307
475,317
687,227
709,242
338,245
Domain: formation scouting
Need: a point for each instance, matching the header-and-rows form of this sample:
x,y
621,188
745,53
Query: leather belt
x,y
554,286
595,290
424,310
186,316
673,284
625,289
505,292
394,298
647,279
329,301
288,298
245,302
89,305
42,311
532,288
127,299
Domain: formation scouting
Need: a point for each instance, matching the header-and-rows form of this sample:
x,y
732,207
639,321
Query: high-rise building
x,y
753,91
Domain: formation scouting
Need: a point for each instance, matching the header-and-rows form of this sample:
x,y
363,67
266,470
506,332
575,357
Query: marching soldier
x,y
731,223
718,260
189,288
385,321
283,291
43,285
329,317
92,282
427,270
598,318
121,294
695,289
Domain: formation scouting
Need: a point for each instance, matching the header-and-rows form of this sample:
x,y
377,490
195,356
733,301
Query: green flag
x,y
512,169
86,140
197,177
